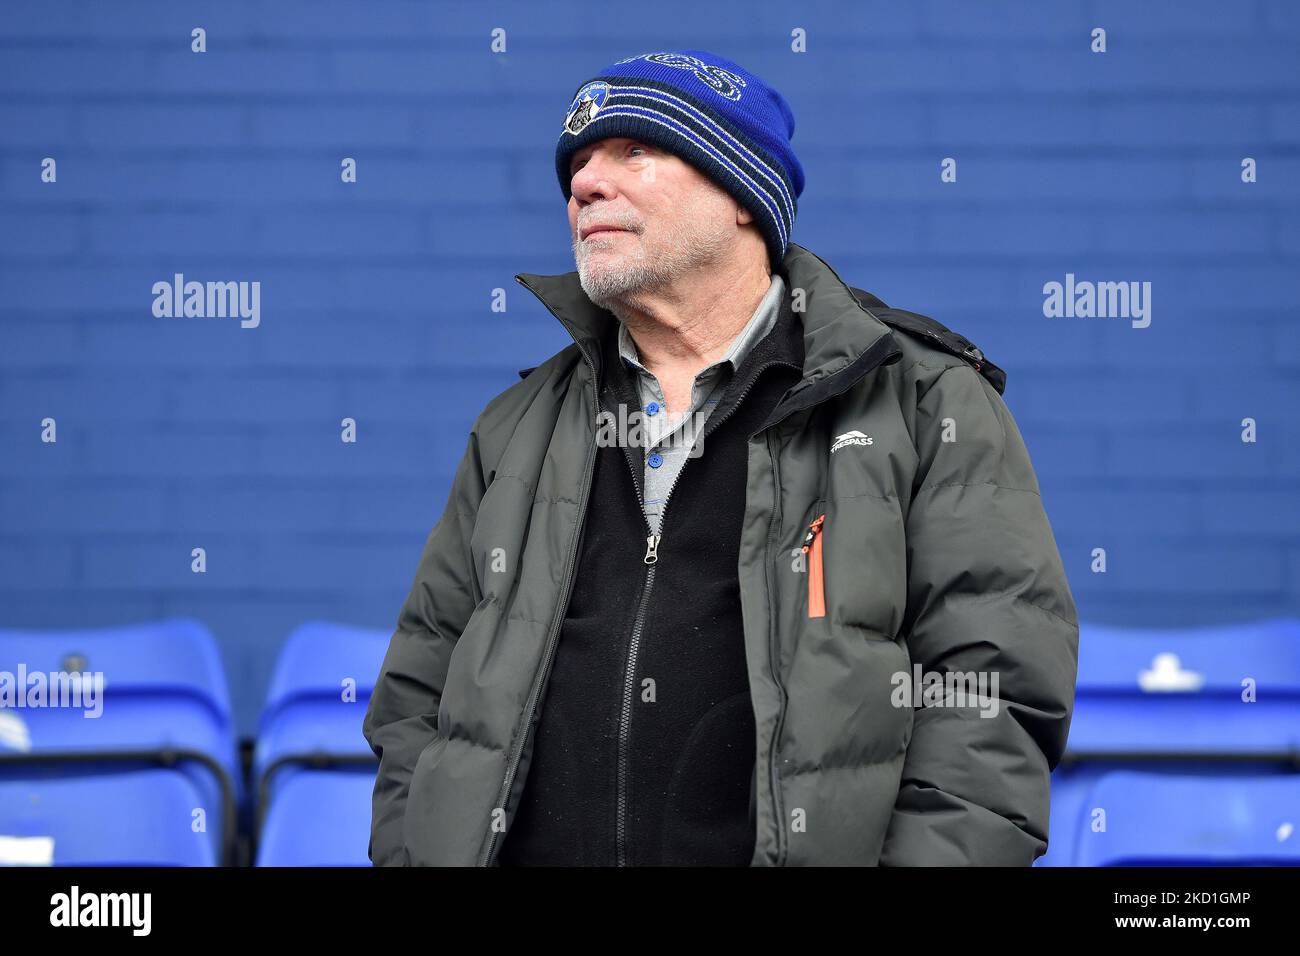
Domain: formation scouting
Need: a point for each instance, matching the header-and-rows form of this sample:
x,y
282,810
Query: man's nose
x,y
594,180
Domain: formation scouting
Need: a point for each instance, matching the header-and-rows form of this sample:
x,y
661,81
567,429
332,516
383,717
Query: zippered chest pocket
x,y
855,559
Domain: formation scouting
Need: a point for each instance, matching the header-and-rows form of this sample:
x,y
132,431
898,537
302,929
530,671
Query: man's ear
x,y
743,216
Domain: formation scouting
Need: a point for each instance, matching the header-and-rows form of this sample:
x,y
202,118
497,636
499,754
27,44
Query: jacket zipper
x,y
552,638
812,547
774,654
782,844
651,559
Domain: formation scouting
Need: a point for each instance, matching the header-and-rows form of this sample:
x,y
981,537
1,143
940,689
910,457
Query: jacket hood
x,y
837,328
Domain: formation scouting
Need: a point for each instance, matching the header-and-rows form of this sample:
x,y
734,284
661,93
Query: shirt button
x,y
652,408
655,459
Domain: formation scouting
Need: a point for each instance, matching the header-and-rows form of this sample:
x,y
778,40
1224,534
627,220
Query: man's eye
x,y
638,146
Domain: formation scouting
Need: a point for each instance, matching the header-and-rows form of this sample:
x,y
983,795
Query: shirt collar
x,y
759,324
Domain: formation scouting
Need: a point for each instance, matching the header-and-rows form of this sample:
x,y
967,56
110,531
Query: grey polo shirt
x,y
669,442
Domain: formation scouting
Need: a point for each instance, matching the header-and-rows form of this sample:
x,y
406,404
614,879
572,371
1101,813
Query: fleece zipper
x,y
629,671
651,559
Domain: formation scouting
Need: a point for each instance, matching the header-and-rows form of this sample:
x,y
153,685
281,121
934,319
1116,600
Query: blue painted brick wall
x,y
376,296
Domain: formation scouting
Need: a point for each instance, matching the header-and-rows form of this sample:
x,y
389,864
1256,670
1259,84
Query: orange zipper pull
x,y
812,546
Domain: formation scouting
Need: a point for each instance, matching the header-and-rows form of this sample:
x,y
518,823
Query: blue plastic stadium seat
x,y
319,818
164,700
1077,793
1166,705
1175,820
1180,691
119,818
307,714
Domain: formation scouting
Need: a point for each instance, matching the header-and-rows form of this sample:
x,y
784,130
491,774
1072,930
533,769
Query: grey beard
x,y
639,274
698,238
606,286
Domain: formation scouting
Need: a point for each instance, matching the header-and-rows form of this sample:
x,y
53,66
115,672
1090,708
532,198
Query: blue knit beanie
x,y
717,116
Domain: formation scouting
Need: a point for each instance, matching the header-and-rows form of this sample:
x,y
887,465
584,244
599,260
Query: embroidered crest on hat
x,y
584,107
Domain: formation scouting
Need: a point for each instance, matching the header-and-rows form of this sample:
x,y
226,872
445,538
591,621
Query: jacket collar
x,y
839,334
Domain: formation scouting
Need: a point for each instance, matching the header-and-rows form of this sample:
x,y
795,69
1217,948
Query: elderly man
x,y
740,631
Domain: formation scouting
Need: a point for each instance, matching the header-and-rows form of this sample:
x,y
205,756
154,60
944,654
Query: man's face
x,y
641,218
